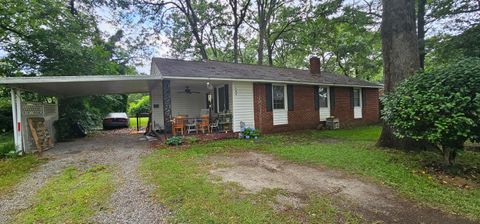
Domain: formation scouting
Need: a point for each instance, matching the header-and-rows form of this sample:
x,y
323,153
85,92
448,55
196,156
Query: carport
x,y
68,86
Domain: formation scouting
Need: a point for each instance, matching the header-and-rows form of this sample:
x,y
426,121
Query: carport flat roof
x,y
68,86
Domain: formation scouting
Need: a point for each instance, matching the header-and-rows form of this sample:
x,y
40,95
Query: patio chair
x,y
192,127
214,125
178,125
203,125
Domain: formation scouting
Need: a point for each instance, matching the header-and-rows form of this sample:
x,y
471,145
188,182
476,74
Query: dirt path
x,y
130,203
375,203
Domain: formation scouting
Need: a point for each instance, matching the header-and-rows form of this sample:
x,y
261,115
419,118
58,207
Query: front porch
x,y
200,106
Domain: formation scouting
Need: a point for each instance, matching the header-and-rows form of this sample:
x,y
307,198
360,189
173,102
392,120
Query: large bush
x,y
141,105
441,106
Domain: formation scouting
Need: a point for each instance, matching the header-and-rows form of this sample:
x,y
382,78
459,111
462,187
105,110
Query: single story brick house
x,y
268,98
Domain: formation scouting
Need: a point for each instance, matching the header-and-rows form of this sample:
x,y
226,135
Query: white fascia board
x,y
62,79
266,81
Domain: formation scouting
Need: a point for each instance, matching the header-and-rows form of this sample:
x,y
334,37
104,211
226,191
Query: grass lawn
x,y
183,183
142,122
71,197
12,170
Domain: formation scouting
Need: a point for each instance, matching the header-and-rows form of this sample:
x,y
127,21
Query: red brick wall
x,y
304,115
371,111
344,110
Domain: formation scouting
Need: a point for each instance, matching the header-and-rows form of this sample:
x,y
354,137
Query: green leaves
x,y
441,106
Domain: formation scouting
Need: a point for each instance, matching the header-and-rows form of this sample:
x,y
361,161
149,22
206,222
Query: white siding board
x,y
188,104
357,112
242,104
324,113
156,98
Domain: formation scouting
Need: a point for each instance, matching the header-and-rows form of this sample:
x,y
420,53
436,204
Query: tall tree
x,y
239,10
421,31
265,10
282,22
197,16
400,53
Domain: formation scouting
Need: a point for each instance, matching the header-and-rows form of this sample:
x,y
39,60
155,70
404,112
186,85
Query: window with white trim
x,y
278,96
323,97
356,98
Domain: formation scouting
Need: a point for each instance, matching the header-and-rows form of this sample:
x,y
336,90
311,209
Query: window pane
x,y
278,97
356,97
221,99
323,96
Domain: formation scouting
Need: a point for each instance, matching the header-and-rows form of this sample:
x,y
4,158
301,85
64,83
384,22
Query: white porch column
x,y
17,118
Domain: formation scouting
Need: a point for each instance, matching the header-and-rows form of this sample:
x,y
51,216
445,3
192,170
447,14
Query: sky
x,y
110,21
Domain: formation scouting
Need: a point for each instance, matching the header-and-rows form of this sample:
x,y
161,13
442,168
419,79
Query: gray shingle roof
x,y
223,70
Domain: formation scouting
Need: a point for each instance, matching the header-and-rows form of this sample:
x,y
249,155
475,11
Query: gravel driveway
x,y
130,203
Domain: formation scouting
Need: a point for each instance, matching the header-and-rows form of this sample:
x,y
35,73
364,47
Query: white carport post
x,y
17,118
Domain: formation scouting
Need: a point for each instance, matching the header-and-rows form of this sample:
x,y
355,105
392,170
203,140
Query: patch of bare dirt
x,y
255,172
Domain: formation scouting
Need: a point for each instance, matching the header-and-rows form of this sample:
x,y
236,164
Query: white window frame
x,y
328,96
218,98
285,102
324,112
357,110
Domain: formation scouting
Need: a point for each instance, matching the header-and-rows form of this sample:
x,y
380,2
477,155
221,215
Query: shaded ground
x,y
130,203
256,172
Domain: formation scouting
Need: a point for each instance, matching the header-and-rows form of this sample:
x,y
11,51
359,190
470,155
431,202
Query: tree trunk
x,y
421,31
235,45
449,155
269,52
399,52
262,28
261,41
193,21
239,12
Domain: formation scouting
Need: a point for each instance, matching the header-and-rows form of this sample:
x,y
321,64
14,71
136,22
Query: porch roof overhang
x,y
70,86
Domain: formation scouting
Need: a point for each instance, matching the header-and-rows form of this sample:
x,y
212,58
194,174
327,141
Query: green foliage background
x,y
138,103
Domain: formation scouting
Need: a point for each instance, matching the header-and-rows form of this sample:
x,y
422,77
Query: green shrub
x,y
441,106
7,149
174,140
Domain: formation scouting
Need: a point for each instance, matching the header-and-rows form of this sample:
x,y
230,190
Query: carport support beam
x,y
17,118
